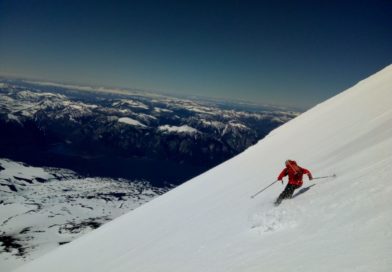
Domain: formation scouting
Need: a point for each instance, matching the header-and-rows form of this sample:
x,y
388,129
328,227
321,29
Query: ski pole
x,y
332,176
262,190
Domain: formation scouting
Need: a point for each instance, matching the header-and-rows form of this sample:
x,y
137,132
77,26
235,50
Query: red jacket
x,y
295,177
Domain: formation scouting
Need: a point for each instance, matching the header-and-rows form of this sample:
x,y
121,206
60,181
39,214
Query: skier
x,y
295,173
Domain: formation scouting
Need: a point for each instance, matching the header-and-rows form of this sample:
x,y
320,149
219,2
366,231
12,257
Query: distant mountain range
x,y
124,133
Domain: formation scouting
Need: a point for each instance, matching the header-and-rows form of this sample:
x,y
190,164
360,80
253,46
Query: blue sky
x,y
294,53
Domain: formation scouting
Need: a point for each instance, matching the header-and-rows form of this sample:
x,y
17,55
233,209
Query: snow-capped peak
x,y
184,129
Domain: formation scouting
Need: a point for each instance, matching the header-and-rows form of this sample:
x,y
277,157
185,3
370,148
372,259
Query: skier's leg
x,y
291,190
279,200
288,191
283,195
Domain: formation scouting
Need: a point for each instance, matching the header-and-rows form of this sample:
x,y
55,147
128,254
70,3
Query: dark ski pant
x,y
287,192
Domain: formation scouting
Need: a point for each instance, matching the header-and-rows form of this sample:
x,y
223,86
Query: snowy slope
x,y
211,224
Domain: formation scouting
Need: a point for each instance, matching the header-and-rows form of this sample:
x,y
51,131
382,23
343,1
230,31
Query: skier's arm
x,y
282,174
307,172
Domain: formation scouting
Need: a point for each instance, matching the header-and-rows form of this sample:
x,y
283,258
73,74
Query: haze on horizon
x,y
284,53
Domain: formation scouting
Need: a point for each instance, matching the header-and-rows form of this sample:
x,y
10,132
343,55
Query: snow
x,y
213,124
79,106
13,118
30,95
238,125
146,117
131,103
211,224
161,109
14,169
130,121
42,208
185,129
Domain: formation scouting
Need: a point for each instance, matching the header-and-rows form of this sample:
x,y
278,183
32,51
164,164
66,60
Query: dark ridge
x,y
11,243
11,186
72,227
40,180
24,179
25,230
